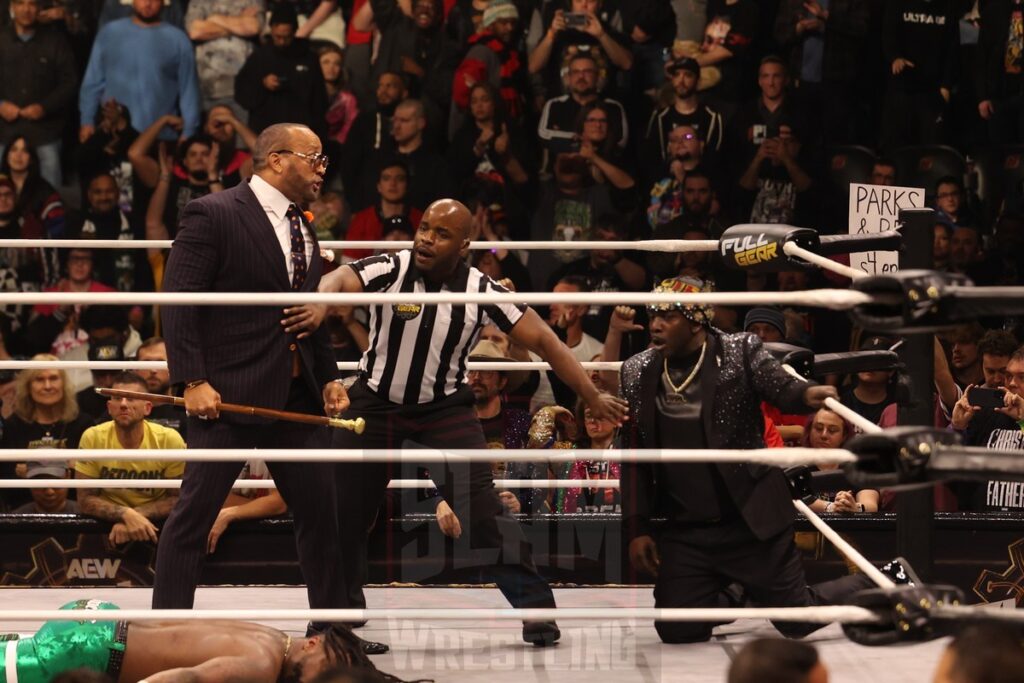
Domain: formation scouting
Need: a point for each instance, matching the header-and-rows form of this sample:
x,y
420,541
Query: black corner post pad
x,y
905,614
897,457
758,248
911,301
890,240
799,479
796,357
852,362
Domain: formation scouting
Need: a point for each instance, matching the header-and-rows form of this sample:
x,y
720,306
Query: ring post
x,y
915,509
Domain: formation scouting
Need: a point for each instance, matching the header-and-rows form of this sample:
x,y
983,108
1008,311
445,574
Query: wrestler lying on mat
x,y
173,651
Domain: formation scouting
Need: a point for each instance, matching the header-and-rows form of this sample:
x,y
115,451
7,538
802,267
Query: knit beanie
x,y
499,9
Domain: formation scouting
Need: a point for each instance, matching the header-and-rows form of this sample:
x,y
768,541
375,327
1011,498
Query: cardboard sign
x,y
874,209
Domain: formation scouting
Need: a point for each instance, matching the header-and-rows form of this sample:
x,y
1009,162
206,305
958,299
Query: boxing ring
x,y
469,634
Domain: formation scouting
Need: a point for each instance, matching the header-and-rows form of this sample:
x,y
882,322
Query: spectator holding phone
x,y
282,82
586,26
993,418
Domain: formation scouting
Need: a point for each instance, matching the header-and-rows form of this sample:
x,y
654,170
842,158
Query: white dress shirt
x,y
276,206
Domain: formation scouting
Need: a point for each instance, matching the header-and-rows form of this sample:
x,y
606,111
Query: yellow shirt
x,y
154,436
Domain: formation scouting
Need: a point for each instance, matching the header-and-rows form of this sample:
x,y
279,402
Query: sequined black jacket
x,y
738,373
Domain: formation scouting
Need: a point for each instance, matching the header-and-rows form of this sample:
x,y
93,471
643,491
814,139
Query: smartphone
x,y
986,398
758,133
575,20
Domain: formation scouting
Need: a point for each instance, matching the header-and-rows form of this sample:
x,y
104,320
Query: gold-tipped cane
x,y
357,425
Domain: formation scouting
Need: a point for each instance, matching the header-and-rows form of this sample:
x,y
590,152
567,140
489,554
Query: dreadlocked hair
x,y
345,647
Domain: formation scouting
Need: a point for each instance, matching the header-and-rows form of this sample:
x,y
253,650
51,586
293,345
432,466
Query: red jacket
x,y
366,225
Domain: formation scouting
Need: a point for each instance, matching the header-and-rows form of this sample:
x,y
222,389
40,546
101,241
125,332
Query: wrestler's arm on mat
x,y
536,335
220,670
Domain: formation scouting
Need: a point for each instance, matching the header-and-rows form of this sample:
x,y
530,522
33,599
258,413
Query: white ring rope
x,y
779,457
843,546
268,484
838,299
825,614
856,419
545,245
342,365
792,249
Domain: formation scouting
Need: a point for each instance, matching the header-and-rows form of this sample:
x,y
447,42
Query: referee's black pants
x,y
307,488
697,564
490,535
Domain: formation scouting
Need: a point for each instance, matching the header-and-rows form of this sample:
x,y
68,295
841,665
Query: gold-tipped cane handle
x,y
357,425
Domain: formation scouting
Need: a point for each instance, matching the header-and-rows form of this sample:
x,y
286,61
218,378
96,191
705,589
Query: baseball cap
x,y
682,64
47,470
108,348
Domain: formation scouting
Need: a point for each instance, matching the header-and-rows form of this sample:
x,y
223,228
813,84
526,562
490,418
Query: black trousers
x,y
308,488
698,564
490,536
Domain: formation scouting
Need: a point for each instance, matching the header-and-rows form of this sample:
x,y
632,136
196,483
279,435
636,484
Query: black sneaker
x,y
541,633
901,573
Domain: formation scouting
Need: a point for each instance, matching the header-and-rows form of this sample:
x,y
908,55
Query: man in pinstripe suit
x,y
252,238
412,392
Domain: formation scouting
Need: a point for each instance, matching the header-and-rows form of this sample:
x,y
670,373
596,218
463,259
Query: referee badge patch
x,y
406,311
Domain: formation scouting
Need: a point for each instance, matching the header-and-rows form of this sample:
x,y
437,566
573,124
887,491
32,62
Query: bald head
x,y
442,239
275,137
452,214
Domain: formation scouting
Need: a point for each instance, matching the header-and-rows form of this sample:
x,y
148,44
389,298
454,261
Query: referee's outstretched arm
x,y
535,334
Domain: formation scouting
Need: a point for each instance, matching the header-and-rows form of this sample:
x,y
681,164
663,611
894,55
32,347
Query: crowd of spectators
x,y
553,120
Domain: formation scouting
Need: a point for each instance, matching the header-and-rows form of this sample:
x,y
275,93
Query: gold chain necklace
x,y
677,391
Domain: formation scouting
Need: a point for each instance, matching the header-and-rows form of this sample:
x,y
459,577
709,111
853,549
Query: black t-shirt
x,y
21,434
494,430
92,406
180,193
869,411
697,493
989,429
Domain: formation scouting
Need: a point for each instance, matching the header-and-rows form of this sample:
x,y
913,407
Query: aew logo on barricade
x,y
88,562
995,587
749,250
93,568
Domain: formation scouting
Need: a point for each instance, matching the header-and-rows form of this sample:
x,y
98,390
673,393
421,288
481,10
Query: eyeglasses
x,y
314,160
682,137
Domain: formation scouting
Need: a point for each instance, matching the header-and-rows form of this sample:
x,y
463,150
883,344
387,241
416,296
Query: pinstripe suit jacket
x,y
225,243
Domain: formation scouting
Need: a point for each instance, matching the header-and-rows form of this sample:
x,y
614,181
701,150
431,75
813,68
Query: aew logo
x,y
750,251
995,587
93,568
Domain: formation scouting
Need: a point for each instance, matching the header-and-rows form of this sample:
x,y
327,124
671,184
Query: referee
x,y
412,392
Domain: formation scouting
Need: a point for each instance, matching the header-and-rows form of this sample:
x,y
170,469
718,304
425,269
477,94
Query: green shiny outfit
x,y
62,645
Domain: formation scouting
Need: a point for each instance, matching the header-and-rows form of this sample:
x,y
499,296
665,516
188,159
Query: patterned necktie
x,y
298,247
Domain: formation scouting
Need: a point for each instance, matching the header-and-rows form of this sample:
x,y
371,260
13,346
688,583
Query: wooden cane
x,y
357,425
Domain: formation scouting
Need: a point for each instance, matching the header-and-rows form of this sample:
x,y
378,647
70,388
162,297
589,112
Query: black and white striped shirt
x,y
417,352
